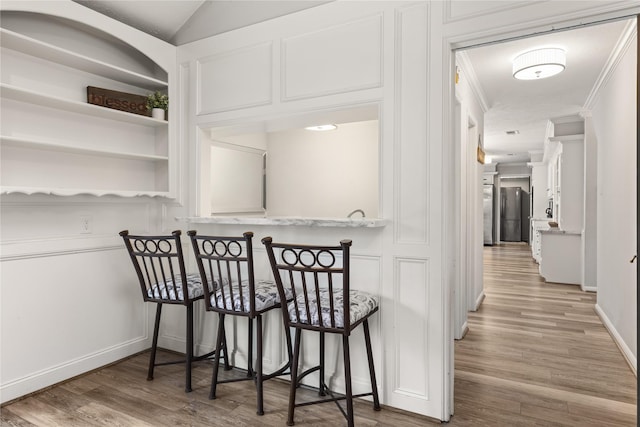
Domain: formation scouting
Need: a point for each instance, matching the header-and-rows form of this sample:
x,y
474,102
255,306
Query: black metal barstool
x,y
226,264
318,279
160,268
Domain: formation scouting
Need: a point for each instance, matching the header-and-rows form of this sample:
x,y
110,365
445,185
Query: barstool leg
x,y
250,372
189,352
216,362
347,380
321,390
227,366
372,370
154,342
259,383
294,377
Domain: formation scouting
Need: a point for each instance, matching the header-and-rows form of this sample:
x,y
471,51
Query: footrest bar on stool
x,y
305,373
194,359
332,398
279,372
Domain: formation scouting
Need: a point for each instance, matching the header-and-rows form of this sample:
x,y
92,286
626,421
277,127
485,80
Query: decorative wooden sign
x,y
122,101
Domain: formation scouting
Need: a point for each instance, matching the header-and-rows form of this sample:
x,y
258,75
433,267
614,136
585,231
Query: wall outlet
x,y
85,224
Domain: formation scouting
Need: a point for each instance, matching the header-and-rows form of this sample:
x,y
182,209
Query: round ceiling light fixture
x,y
539,64
322,127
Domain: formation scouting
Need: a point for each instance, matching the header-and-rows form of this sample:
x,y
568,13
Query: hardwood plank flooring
x,y
536,354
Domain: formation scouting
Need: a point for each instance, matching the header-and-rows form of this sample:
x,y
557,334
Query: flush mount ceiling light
x,y
539,64
322,127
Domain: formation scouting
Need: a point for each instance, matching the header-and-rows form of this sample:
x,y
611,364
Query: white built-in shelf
x,y
25,95
43,151
28,45
79,191
10,141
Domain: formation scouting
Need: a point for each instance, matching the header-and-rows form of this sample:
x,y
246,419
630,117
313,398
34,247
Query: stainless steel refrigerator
x,y
488,194
511,214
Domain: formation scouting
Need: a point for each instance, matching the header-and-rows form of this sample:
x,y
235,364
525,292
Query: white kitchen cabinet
x,y
560,260
537,226
52,140
558,249
569,194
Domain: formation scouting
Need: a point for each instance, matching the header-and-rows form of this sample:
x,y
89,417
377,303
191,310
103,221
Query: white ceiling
x,y
183,21
511,104
527,105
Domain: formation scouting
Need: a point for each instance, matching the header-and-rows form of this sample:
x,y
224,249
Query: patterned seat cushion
x,y
194,288
266,296
360,305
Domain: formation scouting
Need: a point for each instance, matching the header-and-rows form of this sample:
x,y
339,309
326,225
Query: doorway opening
x,y
499,122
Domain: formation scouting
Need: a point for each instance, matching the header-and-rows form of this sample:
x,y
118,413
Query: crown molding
x,y
622,46
474,83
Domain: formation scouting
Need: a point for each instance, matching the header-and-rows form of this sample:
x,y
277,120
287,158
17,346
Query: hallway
x,y
537,354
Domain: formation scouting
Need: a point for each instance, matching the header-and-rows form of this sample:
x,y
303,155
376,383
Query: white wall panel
x,y
457,10
412,150
411,308
234,79
614,122
334,60
53,328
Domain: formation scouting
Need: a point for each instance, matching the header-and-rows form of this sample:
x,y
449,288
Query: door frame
x,y
452,182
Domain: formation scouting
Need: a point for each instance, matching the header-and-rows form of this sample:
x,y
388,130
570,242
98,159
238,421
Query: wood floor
x,y
536,354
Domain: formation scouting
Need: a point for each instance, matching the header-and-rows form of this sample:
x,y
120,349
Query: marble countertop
x,y
287,221
556,230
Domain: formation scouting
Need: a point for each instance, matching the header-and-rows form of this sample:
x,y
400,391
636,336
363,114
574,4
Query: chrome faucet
x,y
357,210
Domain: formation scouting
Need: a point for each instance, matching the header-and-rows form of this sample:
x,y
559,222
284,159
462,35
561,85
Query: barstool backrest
x,y
227,264
318,278
159,264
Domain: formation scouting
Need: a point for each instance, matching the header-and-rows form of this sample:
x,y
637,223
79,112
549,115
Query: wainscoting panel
x,y
339,59
82,310
236,79
457,10
411,312
412,152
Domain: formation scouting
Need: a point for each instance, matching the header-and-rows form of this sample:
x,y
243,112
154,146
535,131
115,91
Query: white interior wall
x,y
614,122
324,174
469,128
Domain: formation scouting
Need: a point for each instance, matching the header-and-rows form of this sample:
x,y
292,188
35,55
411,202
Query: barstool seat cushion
x,y
266,296
194,288
361,304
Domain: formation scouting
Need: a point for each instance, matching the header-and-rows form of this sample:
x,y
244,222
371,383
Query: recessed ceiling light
x,y
512,132
322,127
539,64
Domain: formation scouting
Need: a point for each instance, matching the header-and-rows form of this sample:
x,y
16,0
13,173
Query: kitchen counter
x,y
556,230
287,221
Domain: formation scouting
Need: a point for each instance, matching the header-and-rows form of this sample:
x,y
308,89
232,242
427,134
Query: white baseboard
x,y
479,301
624,348
47,377
589,288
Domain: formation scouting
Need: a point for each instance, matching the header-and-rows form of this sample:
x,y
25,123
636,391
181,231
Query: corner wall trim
x,y
624,348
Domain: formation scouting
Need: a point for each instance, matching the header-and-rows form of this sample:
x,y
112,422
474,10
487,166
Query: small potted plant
x,y
158,103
